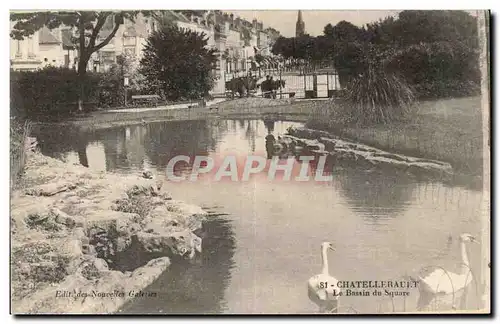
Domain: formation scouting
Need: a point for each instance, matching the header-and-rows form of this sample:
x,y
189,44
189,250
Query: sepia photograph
x,y
250,162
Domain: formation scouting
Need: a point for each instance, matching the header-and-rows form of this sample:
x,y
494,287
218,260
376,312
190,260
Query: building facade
x,y
57,48
237,41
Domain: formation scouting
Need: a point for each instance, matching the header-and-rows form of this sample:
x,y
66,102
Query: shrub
x,y
111,87
376,97
177,64
49,92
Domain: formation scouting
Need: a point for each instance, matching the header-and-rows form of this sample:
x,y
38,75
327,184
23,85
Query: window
x,y
108,57
129,41
129,51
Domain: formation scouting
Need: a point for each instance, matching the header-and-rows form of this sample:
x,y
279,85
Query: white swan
x,y
322,288
438,281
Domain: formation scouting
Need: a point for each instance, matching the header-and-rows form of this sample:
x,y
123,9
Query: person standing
x,y
270,141
266,87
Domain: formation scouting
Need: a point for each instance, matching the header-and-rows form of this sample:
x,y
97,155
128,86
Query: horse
x,y
278,84
242,85
272,87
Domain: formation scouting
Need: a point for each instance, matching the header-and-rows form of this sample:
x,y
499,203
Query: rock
x,y
47,271
319,152
181,243
89,249
143,190
44,221
70,248
79,233
161,263
194,222
147,174
153,242
65,219
24,268
50,189
347,153
107,220
184,208
100,264
123,243
329,143
314,145
162,218
72,200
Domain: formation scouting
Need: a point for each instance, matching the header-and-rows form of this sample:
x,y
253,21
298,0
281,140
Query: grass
x,y
19,132
448,130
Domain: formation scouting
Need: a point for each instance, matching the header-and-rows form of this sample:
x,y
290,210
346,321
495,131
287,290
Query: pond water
x,y
259,254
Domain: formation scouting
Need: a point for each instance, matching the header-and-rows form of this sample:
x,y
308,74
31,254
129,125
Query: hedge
x,y
52,92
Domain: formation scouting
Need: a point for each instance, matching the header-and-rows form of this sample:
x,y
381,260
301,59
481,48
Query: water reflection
x,y
60,141
269,124
384,224
198,287
376,195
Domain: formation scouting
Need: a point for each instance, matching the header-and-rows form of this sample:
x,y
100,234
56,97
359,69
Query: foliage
x,y
19,132
88,26
49,92
111,83
178,64
377,97
435,51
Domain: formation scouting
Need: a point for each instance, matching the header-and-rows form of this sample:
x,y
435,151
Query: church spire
x,y
300,26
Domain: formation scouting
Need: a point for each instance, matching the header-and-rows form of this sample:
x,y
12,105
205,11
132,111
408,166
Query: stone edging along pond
x,y
342,151
87,242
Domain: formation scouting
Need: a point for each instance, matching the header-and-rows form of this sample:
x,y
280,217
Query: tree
x,y
179,63
345,44
88,27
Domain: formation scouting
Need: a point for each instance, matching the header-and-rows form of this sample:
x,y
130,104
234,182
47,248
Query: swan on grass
x,y
322,287
438,281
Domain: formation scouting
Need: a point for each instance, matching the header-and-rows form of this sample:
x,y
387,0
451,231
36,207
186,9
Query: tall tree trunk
x,y
82,71
82,63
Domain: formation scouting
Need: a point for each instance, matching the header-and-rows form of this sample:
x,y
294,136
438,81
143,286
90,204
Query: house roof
x,y
46,37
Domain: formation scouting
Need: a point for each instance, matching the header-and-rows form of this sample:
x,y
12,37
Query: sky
x,y
315,20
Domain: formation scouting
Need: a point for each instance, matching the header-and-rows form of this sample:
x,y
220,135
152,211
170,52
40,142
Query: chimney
x,y
255,24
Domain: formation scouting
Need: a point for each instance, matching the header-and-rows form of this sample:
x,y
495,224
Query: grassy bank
x,y
19,132
449,130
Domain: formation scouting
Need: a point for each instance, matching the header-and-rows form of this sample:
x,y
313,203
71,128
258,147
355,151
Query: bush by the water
x,y
377,97
49,92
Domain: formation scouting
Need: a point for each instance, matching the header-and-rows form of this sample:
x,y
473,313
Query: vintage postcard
x,y
250,162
